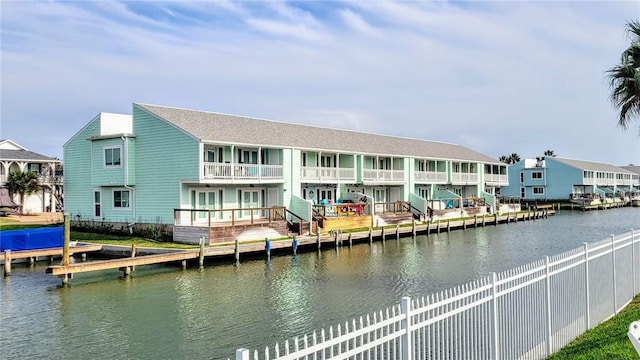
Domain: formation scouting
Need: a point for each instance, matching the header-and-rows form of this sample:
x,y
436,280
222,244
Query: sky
x,y
499,77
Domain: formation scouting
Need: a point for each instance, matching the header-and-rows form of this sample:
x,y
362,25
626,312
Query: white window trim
x,y
534,193
101,203
537,172
113,200
104,157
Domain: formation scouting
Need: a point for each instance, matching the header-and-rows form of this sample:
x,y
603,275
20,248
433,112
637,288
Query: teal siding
x,y
78,190
102,175
164,156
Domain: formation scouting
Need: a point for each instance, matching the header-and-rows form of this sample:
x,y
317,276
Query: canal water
x,y
167,313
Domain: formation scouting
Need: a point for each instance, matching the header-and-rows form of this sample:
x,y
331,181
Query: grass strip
x,y
608,340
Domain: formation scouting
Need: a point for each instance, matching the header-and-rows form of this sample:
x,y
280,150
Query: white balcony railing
x,y
379,175
430,176
242,171
327,174
496,179
468,178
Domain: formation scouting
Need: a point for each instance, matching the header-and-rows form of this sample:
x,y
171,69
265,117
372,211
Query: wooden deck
x,y
33,255
122,262
336,238
28,254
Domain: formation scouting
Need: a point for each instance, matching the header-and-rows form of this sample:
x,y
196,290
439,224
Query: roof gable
x,y
10,145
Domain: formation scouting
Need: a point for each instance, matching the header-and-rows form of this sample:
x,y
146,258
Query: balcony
x,y
327,174
496,179
253,172
464,178
383,176
430,177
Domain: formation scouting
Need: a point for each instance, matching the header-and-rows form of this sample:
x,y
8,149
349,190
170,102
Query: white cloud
x,y
498,77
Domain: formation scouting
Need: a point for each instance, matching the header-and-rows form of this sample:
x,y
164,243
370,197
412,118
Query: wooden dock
x,y
33,255
334,238
122,263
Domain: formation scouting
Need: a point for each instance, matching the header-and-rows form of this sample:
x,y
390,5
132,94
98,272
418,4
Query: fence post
x,y
613,265
633,259
407,347
494,313
548,303
242,354
586,284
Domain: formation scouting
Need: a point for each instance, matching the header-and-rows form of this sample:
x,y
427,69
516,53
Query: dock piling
x,y
7,262
370,235
267,247
66,239
413,227
237,251
397,231
201,253
294,245
133,254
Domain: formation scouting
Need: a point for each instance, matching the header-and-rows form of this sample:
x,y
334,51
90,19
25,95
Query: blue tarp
x,y
28,239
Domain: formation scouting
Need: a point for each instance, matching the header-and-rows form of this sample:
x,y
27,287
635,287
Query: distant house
x,y
635,169
167,165
15,157
559,179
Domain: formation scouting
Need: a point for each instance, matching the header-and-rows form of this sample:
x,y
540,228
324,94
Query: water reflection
x,y
165,312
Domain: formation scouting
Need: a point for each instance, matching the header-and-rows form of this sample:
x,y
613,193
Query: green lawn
x,y
608,340
125,241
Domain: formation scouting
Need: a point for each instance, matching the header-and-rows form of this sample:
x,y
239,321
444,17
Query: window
x,y
112,156
536,175
121,199
97,212
34,168
538,190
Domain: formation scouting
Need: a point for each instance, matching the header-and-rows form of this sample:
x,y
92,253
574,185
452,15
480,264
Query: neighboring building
x,y
559,179
140,168
15,157
635,169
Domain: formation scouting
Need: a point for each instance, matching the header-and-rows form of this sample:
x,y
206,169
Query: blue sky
x,y
496,76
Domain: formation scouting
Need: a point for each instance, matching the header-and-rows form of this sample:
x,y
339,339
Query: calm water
x,y
168,313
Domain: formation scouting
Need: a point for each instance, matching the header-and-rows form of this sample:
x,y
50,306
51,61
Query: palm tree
x,y
509,159
549,153
23,183
624,79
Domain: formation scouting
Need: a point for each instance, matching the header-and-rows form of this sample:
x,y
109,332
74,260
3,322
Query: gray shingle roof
x,y
232,129
632,168
24,155
592,166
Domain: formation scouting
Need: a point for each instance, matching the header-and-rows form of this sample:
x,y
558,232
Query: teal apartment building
x,y
561,179
141,168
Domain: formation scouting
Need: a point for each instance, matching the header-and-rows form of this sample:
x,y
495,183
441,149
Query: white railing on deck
x,y
382,175
525,313
242,171
430,176
319,174
464,178
495,178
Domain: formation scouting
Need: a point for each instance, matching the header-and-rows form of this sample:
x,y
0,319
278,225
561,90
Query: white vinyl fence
x,y
525,313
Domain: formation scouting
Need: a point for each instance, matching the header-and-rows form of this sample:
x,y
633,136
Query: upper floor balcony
x,y
464,178
382,176
322,175
260,173
43,180
430,177
495,179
